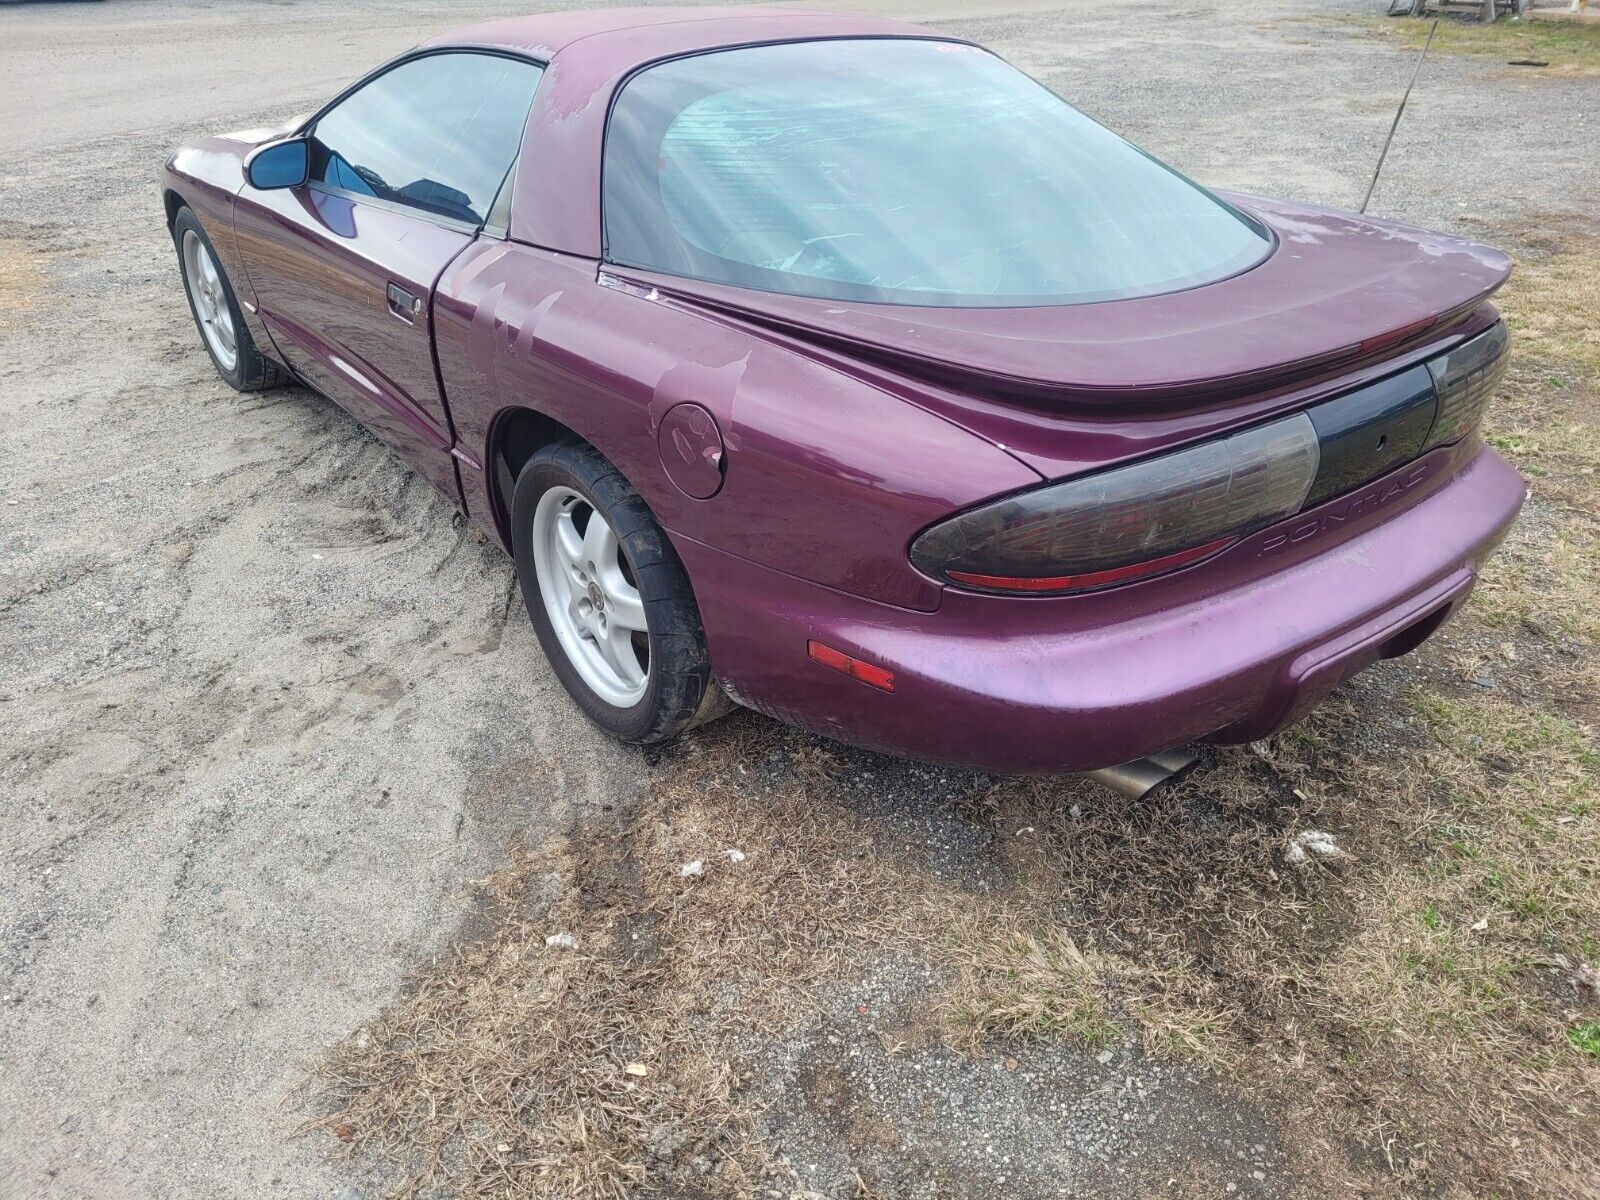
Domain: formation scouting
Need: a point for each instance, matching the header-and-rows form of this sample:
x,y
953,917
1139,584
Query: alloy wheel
x,y
591,597
210,300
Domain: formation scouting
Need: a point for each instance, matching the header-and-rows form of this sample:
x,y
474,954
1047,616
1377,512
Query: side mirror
x,y
280,165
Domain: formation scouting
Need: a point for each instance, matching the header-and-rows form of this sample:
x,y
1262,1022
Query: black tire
x,y
681,692
251,372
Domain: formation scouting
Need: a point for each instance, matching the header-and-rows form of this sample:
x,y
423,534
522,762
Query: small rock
x,y
561,941
734,856
692,870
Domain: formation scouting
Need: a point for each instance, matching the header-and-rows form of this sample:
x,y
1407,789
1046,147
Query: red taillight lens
x,y
1129,522
1093,579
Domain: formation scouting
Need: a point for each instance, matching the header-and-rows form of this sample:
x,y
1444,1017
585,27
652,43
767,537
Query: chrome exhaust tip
x,y
1137,779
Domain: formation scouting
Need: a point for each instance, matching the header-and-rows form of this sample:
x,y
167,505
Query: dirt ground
x,y
289,800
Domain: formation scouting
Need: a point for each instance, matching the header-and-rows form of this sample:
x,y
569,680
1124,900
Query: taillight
x,y
1464,379
1164,513
1129,522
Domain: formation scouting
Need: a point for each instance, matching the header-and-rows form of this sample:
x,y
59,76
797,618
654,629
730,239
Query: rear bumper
x,y
1235,649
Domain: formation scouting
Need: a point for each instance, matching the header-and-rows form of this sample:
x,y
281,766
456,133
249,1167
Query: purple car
x,y
833,366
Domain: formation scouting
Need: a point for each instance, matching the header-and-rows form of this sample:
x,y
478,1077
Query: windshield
x,y
904,171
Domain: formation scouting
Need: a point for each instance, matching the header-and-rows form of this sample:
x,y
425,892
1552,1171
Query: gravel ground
x,y
1046,1120
265,707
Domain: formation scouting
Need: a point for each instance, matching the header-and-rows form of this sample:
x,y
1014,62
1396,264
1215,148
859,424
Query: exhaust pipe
x,y
1137,779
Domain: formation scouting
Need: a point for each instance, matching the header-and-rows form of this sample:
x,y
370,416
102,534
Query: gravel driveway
x,y
265,705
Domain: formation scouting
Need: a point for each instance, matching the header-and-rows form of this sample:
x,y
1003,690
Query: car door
x,y
403,171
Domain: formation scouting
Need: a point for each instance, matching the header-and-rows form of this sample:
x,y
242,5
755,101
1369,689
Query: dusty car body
x,y
808,459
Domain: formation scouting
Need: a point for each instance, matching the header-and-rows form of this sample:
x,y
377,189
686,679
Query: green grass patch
x,y
1586,1038
1569,47
1548,747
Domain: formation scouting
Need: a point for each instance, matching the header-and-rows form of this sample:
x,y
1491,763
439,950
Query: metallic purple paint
x,y
1076,683
847,429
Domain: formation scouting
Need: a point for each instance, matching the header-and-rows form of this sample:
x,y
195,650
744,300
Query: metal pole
x,y
1398,113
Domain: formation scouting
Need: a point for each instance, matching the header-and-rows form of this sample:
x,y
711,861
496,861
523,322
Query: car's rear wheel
x,y
609,598
216,310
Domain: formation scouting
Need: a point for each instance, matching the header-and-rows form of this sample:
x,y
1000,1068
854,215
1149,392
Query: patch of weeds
x,y
1030,984
1586,1038
1549,296
1568,47
1547,758
1547,584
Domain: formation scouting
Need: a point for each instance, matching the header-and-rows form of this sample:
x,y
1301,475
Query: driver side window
x,y
436,134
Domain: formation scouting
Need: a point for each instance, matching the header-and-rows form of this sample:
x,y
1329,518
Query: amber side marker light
x,y
838,660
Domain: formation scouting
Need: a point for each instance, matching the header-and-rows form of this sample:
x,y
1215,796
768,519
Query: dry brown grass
x,y
505,1072
1360,986
1551,300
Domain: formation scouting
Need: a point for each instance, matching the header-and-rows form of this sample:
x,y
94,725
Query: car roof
x,y
628,37
589,54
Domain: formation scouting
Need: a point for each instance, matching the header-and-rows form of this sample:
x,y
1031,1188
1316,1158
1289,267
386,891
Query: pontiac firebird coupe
x,y
834,366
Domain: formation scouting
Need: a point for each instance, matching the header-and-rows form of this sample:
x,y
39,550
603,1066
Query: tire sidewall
x,y
679,672
186,222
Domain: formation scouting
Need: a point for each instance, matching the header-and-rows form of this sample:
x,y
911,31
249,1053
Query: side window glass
x,y
436,133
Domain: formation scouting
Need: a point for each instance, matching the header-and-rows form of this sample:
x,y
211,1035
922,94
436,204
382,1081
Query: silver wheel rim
x,y
590,596
204,282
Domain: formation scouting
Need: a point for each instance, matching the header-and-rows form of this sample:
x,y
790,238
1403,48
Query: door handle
x,y
403,304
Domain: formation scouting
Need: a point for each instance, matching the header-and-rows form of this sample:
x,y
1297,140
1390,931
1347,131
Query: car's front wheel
x,y
216,310
609,598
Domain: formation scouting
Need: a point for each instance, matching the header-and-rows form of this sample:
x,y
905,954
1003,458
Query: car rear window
x,y
905,171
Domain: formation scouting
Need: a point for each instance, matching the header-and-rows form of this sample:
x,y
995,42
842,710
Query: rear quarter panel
x,y
828,478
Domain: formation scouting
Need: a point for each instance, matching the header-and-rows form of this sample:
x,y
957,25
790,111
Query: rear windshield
x,y
903,171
